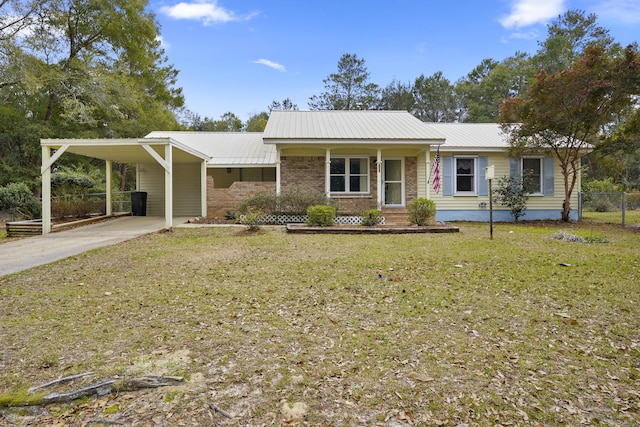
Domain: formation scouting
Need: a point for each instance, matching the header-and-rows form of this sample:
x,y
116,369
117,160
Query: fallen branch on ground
x,y
100,388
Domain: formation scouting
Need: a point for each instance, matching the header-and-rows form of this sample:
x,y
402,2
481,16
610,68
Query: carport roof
x,y
130,150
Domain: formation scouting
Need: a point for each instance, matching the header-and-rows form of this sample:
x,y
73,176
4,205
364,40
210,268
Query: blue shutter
x,y
447,176
515,167
548,181
483,184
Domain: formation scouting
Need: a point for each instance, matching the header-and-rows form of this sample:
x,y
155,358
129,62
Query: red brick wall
x,y
302,173
221,200
411,178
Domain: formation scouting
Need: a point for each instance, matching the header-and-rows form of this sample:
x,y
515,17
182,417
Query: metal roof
x,y
129,150
232,149
471,136
348,127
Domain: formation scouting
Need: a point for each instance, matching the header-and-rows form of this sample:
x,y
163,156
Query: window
x,y
349,174
465,176
532,167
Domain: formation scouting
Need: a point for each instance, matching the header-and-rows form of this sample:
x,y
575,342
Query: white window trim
x,y
541,160
347,175
455,176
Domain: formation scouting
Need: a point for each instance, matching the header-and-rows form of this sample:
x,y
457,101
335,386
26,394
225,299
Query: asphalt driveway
x,y
34,251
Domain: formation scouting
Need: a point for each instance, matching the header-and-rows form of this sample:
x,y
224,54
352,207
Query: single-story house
x,y
361,158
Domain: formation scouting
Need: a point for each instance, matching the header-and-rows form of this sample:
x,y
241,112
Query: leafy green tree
x,y
566,112
567,38
348,89
397,96
618,155
81,69
435,99
17,199
257,122
490,84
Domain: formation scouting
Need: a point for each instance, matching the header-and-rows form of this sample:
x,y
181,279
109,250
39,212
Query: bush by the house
x,y
321,215
513,191
70,188
371,217
17,199
252,220
287,203
422,211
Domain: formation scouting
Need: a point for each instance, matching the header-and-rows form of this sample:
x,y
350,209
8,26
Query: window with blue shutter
x,y
447,176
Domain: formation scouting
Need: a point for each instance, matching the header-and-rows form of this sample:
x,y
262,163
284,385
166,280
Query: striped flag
x,y
435,172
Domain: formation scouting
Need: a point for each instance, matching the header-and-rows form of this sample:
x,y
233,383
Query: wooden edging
x,y
376,229
34,227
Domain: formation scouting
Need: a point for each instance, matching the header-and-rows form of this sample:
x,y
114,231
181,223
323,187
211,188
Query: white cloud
x,y
271,64
207,11
530,12
163,42
626,11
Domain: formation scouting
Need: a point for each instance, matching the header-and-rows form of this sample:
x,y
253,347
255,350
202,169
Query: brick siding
x,y
221,200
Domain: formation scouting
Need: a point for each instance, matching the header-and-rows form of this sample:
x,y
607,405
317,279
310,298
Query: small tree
x,y
513,191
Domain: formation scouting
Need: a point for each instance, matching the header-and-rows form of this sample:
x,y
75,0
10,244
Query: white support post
x,y
203,189
278,180
46,190
379,178
168,187
327,173
427,172
107,200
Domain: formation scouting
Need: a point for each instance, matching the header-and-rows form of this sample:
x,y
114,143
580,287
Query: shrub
x,y
601,203
287,203
297,202
321,215
265,203
252,220
513,191
17,198
421,211
371,217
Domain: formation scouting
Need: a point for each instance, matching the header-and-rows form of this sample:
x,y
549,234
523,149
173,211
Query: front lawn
x,y
435,329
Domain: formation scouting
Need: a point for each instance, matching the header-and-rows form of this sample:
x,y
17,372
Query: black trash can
x,y
139,203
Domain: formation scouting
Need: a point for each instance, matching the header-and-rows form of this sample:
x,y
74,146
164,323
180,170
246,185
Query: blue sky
x,y
240,55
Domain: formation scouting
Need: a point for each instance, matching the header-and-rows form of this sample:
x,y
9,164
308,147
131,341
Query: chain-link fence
x,y
611,208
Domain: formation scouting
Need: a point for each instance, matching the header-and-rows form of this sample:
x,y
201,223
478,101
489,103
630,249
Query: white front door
x,y
393,182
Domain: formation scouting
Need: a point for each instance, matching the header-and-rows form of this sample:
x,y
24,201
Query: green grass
x,y
424,329
614,217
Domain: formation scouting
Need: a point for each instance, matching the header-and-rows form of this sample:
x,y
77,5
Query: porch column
x,y
46,190
278,181
107,199
203,189
427,172
168,187
45,176
327,173
379,178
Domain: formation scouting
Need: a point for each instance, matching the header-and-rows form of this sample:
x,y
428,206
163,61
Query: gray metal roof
x,y
348,127
226,148
471,136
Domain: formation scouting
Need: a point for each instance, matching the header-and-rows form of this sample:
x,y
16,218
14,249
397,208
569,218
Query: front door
x,y
393,181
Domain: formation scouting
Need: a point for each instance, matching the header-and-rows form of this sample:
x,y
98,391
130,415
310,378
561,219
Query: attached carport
x,y
165,154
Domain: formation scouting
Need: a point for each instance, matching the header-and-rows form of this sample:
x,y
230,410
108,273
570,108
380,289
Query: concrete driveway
x,y
33,251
